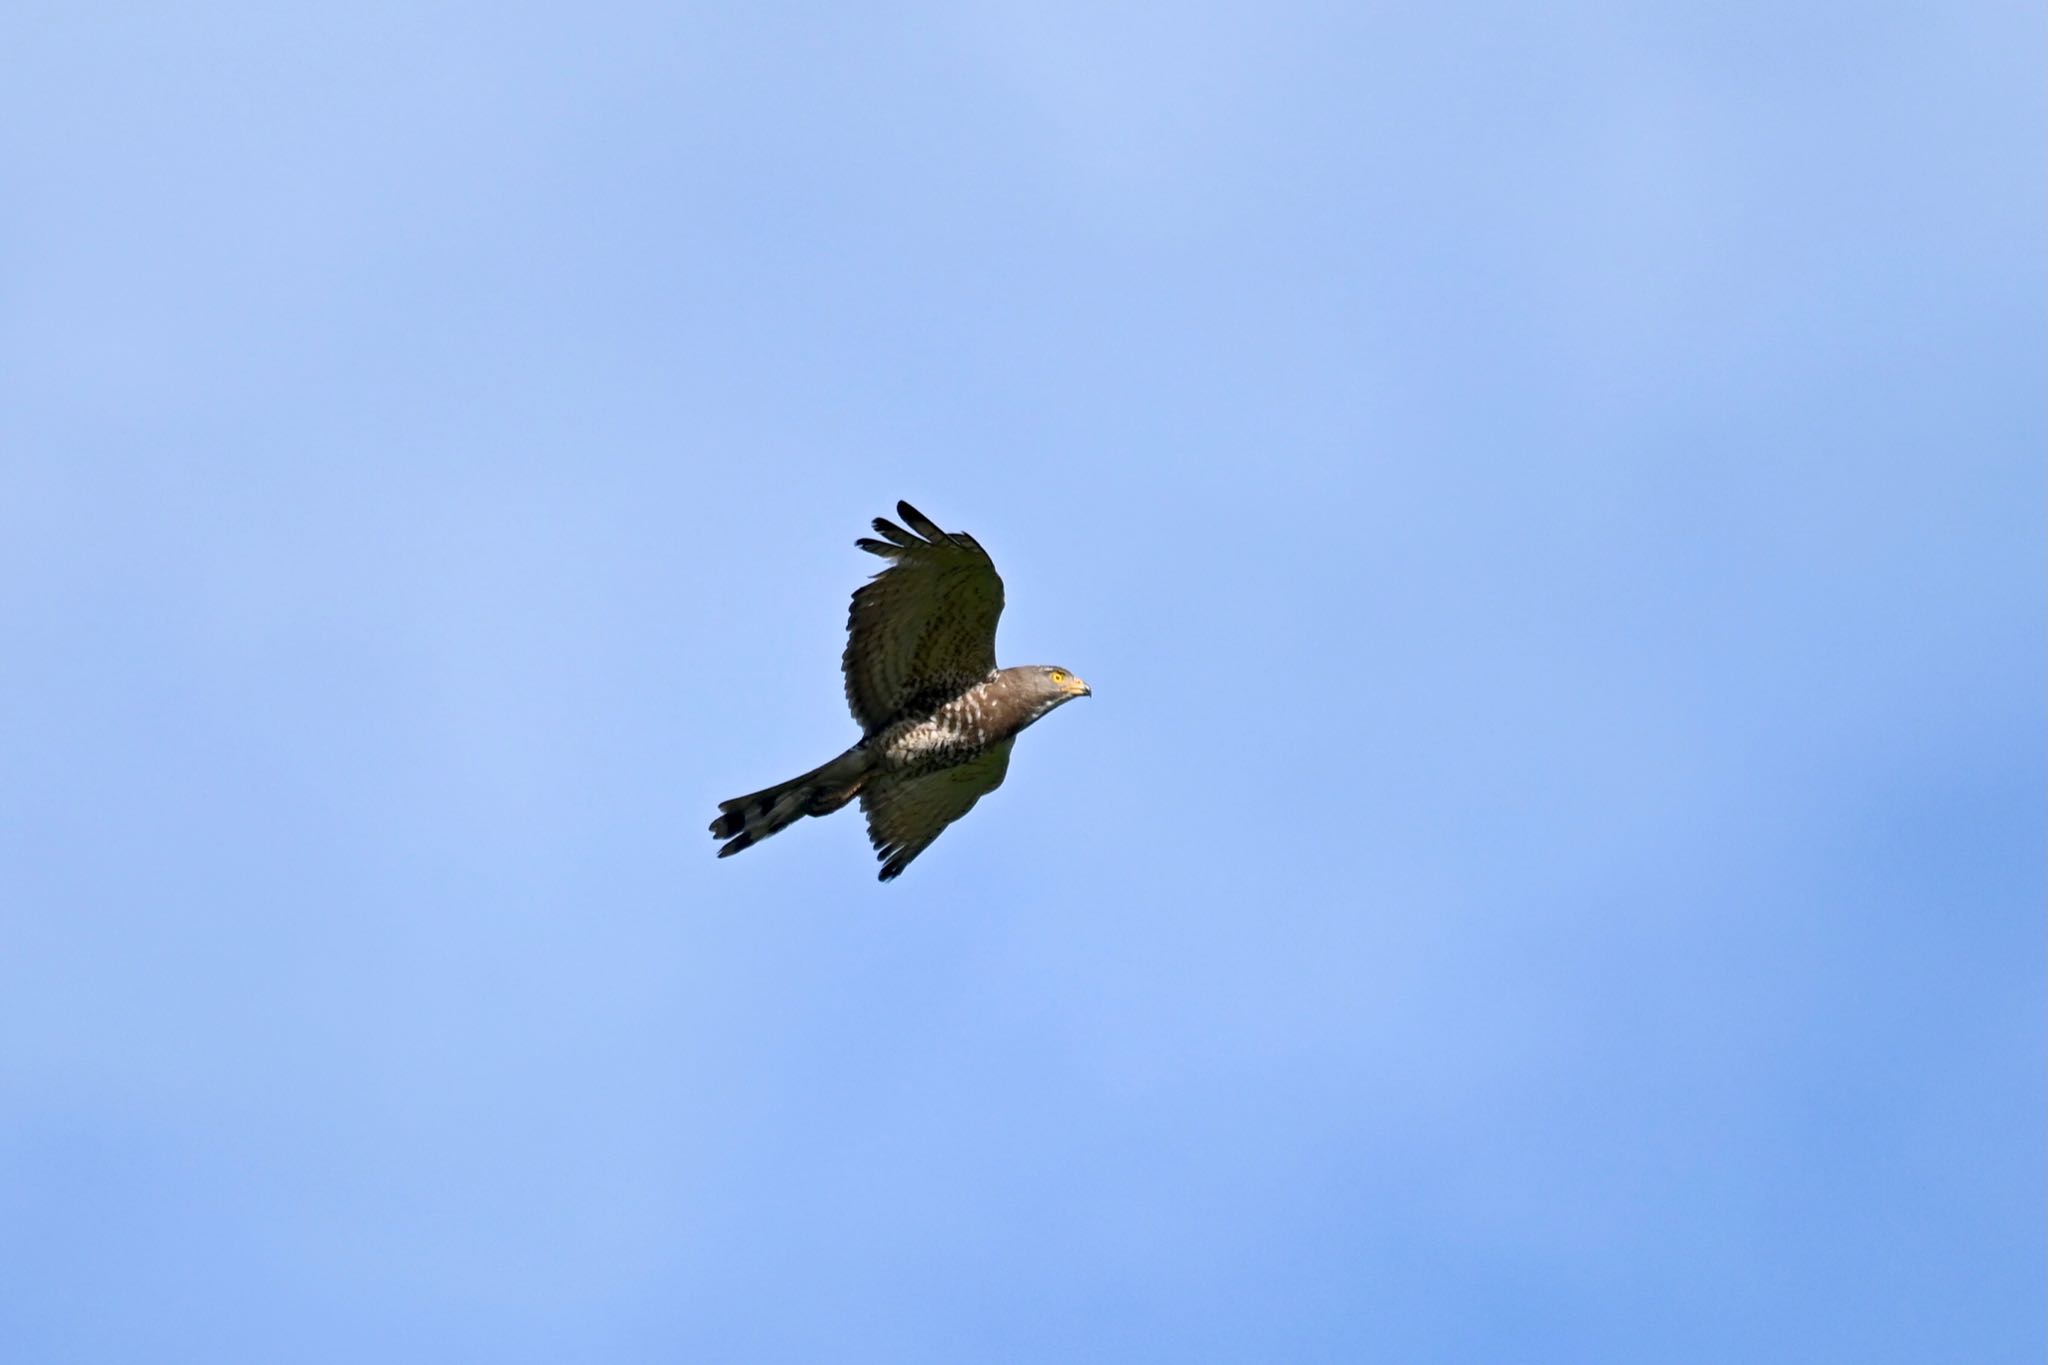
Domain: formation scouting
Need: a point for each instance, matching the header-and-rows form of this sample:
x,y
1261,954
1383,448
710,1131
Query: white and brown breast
x,y
992,710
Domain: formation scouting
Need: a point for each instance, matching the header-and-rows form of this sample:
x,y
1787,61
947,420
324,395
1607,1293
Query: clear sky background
x,y
1550,501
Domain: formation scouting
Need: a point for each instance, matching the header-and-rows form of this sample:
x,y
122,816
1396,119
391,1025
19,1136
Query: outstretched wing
x,y
906,814
924,629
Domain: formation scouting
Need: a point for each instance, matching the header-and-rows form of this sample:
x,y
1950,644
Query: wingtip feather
x,y
889,530
921,523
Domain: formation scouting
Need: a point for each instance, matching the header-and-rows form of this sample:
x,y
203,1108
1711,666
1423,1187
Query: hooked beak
x,y
1079,688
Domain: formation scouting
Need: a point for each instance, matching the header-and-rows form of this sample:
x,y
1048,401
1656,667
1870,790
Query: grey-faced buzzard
x,y
937,716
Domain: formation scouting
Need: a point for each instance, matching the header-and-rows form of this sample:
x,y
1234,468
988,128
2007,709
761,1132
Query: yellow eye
x,y
1058,676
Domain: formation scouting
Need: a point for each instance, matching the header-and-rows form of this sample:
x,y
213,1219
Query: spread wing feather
x,y
923,628
906,814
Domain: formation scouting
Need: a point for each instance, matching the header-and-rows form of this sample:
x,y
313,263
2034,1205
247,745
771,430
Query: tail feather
x,y
746,820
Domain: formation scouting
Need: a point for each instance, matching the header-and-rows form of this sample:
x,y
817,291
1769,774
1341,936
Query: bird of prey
x,y
937,716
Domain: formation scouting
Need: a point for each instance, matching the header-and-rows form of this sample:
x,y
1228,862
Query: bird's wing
x,y
924,629
906,813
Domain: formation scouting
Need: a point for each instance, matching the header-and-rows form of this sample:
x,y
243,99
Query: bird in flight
x,y
937,716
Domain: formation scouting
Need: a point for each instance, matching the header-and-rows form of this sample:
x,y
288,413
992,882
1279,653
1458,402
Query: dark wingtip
x,y
921,523
890,531
745,841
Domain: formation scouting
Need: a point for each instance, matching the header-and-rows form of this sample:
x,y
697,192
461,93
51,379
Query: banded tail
x,y
746,820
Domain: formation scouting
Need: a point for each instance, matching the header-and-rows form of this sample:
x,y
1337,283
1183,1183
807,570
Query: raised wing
x,y
906,814
924,629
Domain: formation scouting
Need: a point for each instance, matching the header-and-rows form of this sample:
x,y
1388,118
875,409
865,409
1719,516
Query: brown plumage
x,y
937,716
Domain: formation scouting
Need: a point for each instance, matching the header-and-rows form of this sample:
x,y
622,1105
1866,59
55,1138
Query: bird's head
x,y
1029,691
1055,685
1065,683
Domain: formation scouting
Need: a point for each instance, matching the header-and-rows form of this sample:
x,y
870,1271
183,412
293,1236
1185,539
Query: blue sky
x,y
1549,502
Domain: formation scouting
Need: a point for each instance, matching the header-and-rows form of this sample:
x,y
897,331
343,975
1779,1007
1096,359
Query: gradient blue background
x,y
1550,501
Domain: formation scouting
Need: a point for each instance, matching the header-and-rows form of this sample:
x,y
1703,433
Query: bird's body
x,y
938,717
990,712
